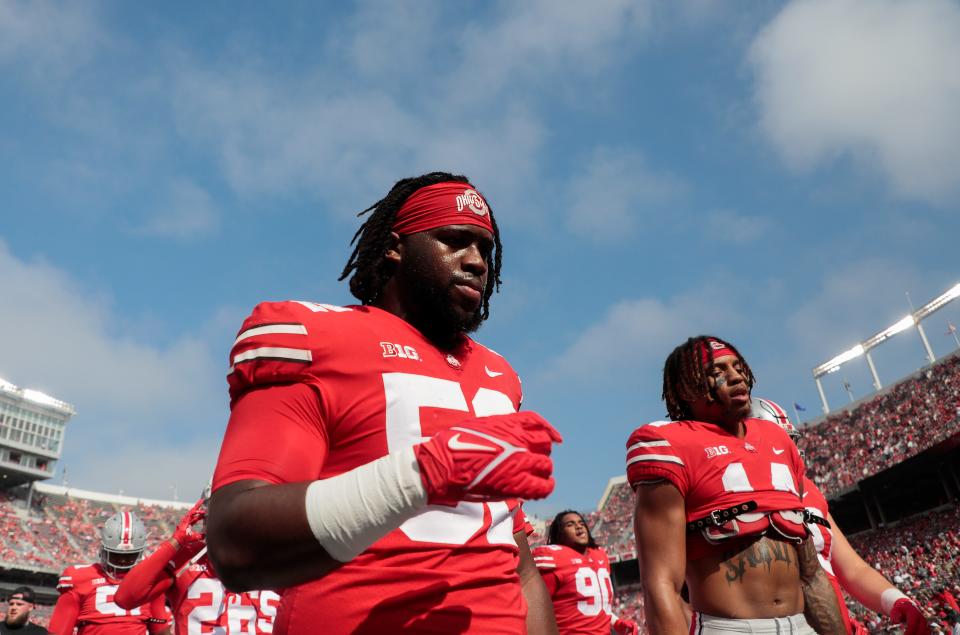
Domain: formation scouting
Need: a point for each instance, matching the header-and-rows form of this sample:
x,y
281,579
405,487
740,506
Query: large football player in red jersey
x,y
719,507
87,592
374,459
576,572
843,565
181,571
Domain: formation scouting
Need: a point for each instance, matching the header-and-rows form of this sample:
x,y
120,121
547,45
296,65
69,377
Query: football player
x,y
718,506
374,457
180,570
87,592
843,565
576,572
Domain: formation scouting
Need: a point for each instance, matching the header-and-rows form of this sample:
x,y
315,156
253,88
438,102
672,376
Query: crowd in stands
x,y
922,557
60,531
884,430
612,525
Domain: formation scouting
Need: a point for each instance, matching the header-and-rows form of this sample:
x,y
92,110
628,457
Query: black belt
x,y
719,516
809,517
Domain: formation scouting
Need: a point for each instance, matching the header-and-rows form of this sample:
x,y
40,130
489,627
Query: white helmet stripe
x,y
126,539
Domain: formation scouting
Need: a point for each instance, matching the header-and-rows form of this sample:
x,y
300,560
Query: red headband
x,y
449,203
719,350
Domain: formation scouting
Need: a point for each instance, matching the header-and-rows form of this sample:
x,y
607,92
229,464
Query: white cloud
x,y
732,226
384,38
637,335
67,342
875,80
188,212
47,39
615,191
541,42
854,302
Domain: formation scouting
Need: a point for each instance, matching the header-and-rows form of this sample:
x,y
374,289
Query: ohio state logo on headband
x,y
472,200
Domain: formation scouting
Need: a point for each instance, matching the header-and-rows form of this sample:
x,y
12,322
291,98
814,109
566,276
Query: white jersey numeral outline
x,y
406,394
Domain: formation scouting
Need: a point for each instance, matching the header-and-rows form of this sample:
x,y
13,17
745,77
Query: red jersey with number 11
x,y
318,390
715,470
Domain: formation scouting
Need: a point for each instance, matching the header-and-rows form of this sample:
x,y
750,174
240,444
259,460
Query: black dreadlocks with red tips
x,y
685,375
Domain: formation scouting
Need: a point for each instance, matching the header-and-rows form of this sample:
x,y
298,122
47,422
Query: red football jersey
x,y
317,390
580,588
89,591
715,470
251,612
198,599
816,504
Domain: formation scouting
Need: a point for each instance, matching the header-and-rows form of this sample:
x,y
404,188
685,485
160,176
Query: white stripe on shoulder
x,y
274,352
664,458
272,329
318,307
550,558
660,424
663,443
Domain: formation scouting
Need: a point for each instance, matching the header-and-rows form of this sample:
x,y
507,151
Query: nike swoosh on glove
x,y
906,611
489,459
185,534
625,627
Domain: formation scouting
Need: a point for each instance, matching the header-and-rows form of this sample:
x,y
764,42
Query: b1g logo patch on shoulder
x,y
717,450
399,350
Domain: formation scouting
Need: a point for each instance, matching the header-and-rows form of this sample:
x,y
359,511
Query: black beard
x,y
437,319
18,620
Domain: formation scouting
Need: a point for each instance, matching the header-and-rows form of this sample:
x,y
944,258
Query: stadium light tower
x,y
864,347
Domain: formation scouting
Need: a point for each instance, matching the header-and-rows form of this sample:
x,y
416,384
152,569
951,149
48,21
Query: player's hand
x,y
488,459
185,534
906,611
625,627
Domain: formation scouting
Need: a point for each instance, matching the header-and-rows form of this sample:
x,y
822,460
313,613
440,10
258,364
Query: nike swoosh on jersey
x,y
456,444
776,451
492,373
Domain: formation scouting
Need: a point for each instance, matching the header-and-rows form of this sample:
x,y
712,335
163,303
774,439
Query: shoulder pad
x,y
274,344
545,557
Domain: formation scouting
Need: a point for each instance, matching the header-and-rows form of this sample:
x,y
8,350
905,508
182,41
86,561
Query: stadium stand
x,y
60,527
920,555
885,429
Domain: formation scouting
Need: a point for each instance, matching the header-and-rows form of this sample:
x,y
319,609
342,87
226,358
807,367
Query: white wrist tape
x,y
889,597
349,512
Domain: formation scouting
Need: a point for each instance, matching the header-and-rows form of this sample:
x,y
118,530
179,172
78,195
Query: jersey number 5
x,y
405,395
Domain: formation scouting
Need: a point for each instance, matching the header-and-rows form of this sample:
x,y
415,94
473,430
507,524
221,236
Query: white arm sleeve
x,y
349,512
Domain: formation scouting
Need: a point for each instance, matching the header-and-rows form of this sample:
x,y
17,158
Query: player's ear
x,y
394,252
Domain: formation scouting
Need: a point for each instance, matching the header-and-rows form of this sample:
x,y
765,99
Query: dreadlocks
x,y
370,270
685,375
553,535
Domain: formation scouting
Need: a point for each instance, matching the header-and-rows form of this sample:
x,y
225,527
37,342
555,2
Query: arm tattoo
x,y
760,553
819,600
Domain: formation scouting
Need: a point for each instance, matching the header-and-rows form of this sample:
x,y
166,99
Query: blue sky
x,y
779,177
